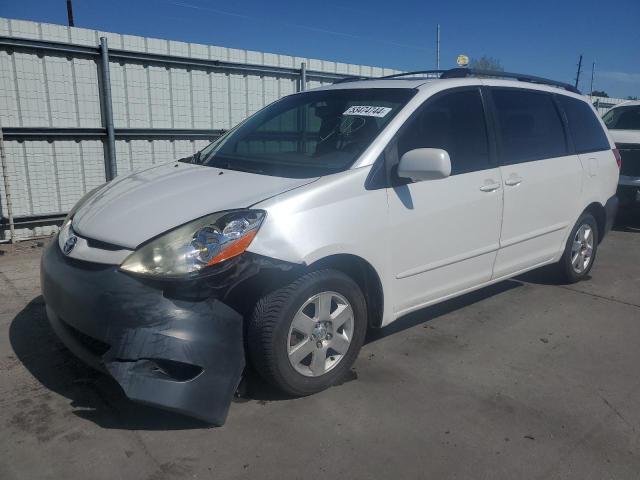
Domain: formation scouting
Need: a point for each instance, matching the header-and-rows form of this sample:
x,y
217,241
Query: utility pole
x,y
593,71
70,13
438,47
579,70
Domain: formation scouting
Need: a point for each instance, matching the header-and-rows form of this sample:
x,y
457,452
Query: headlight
x,y
196,245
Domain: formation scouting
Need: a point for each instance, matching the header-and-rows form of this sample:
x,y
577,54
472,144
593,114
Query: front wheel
x,y
305,336
580,251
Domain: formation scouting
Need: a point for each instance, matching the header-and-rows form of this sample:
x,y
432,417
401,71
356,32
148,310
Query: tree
x,y
599,93
486,63
632,97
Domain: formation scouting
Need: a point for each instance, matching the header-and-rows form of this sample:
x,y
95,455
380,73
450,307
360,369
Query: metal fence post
x,y
7,188
110,167
303,76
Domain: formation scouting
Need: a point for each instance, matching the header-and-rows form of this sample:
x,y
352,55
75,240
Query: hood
x,y
625,136
136,207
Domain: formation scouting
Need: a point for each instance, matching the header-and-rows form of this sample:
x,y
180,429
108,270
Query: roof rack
x,y
417,72
469,72
352,79
472,72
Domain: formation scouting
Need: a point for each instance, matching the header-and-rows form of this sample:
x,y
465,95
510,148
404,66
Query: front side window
x,y
454,122
585,128
309,134
623,118
529,126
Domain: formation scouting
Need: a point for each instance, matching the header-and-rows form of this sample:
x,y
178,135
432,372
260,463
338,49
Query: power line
x,y
294,25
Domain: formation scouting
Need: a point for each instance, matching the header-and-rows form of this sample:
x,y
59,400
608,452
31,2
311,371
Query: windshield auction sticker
x,y
367,111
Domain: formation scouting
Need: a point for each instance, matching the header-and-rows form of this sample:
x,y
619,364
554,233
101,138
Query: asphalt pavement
x,y
523,379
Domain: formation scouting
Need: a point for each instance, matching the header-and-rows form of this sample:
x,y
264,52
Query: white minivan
x,y
326,213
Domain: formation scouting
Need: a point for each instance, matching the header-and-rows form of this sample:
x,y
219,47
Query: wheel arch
x,y
364,274
599,213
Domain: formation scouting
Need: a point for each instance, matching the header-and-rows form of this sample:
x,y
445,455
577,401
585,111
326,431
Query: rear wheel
x,y
580,251
305,336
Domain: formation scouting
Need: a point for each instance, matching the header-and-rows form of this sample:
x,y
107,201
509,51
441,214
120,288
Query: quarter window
x,y
454,122
529,126
586,131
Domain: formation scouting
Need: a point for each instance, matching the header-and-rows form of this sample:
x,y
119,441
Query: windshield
x,y
309,134
623,118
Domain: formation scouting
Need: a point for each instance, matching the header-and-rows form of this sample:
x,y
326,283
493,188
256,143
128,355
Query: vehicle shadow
x,y
427,314
98,398
94,396
547,275
254,388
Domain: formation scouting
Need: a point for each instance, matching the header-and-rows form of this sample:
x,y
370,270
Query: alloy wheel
x,y
320,334
582,248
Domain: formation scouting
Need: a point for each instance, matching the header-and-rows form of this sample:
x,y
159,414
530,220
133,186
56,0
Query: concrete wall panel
x,y
119,95
70,173
61,92
32,91
159,97
85,79
201,99
137,89
181,98
9,113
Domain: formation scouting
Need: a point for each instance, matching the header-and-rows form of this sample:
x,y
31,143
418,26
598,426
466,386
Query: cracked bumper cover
x,y
182,355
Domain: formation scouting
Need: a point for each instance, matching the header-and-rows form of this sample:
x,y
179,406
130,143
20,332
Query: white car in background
x,y
623,122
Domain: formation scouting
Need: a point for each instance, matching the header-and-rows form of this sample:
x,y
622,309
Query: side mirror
x,y
425,164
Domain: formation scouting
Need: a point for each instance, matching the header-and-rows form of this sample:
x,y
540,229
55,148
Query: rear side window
x,y
529,126
454,122
585,128
623,118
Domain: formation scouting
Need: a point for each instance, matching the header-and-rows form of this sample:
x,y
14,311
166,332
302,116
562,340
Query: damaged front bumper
x,y
164,348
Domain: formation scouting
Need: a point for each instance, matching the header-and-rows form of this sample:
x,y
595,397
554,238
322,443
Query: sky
x,y
539,37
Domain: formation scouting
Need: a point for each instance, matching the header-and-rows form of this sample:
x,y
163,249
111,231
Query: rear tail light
x,y
616,154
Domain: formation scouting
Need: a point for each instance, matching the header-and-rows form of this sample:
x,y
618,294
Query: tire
x,y
288,322
572,269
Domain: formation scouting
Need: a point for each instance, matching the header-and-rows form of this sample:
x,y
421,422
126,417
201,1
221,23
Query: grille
x,y
630,161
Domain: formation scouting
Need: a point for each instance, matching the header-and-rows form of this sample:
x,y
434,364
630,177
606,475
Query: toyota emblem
x,y
69,244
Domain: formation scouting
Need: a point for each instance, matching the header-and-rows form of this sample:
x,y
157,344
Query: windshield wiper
x,y
228,166
232,163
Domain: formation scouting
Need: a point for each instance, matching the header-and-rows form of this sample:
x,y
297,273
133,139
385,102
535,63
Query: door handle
x,y
513,181
490,187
